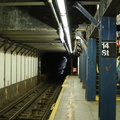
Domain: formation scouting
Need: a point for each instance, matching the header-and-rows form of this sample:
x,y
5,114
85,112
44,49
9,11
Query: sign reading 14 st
x,y
108,48
105,49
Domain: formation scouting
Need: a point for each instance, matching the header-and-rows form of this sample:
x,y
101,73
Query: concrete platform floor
x,y
71,104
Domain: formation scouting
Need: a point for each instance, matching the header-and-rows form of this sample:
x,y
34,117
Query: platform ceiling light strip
x,y
61,34
62,9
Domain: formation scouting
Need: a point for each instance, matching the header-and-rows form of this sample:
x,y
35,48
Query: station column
x,y
91,70
107,68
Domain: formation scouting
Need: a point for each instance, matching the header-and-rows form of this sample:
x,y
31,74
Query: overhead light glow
x,y
61,5
77,37
61,34
98,6
64,20
62,9
67,30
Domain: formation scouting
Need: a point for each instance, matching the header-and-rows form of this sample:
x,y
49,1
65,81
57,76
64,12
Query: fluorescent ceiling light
x,y
61,5
61,34
64,20
66,29
69,42
62,9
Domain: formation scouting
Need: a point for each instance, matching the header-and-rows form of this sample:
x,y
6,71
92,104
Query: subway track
x,y
35,105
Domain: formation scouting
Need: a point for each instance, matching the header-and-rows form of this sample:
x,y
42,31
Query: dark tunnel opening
x,y
55,66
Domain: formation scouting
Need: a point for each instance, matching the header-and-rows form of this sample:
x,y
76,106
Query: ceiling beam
x,y
22,3
31,36
112,7
31,32
89,2
43,3
41,42
107,8
33,39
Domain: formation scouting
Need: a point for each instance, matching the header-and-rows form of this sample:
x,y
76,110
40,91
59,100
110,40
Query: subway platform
x,y
71,103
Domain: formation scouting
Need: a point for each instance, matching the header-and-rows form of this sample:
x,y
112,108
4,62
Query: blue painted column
x,y
84,69
81,67
91,70
107,67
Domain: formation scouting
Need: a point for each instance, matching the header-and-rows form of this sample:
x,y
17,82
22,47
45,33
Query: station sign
x,y
108,48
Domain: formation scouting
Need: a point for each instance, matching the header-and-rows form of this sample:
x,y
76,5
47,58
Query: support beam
x,y
41,41
10,45
19,24
30,53
43,3
2,44
110,7
89,2
20,49
25,48
83,67
107,8
86,13
83,42
15,47
107,68
91,65
28,50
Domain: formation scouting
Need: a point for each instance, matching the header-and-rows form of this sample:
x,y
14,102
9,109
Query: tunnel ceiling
x,y
32,22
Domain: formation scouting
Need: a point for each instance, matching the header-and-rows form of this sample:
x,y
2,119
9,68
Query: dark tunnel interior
x,y
55,65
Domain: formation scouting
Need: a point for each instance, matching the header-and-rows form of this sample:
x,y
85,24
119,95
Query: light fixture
x,y
61,34
64,20
62,9
69,42
67,30
98,6
61,6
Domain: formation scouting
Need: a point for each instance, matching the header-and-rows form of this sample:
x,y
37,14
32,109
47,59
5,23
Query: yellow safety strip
x,y
97,69
97,98
58,101
118,98
52,106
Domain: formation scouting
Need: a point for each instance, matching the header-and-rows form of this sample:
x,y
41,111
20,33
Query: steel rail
x,y
6,109
52,101
29,103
